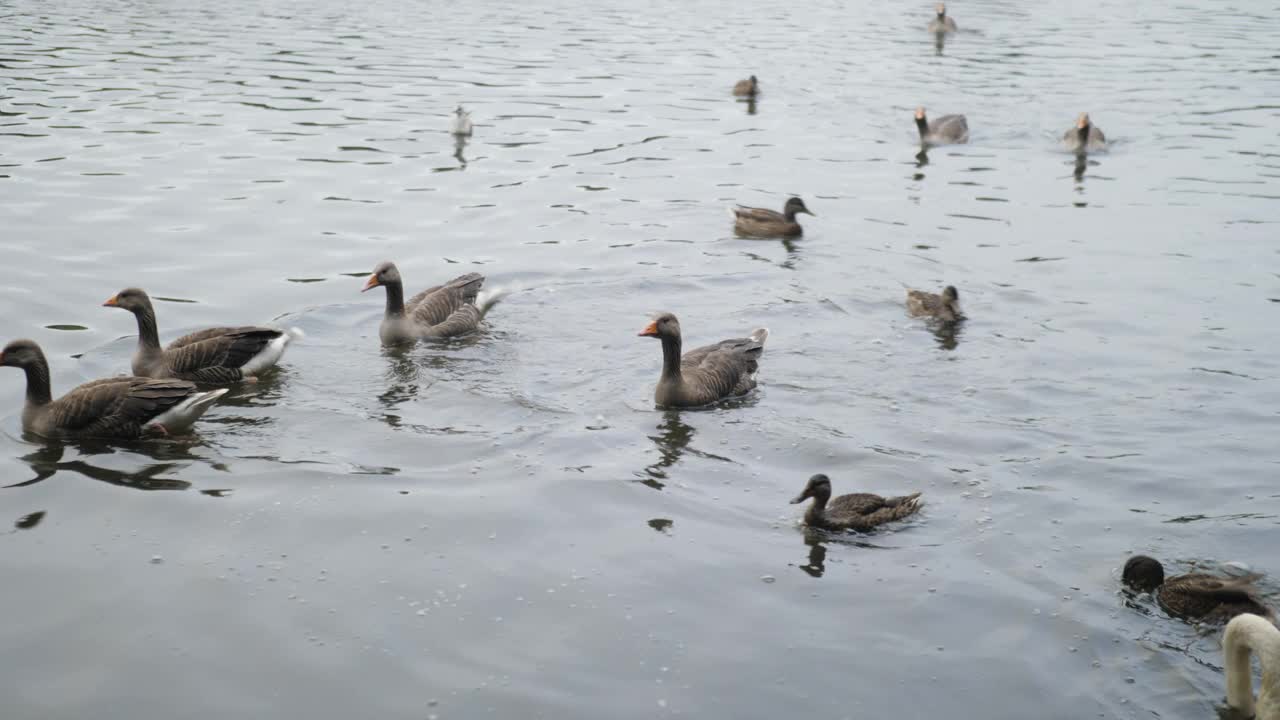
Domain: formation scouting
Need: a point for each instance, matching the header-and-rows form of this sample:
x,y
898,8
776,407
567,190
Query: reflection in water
x,y
939,40
402,381
662,525
922,157
672,440
460,144
47,462
751,106
947,333
815,539
26,522
1082,162
789,263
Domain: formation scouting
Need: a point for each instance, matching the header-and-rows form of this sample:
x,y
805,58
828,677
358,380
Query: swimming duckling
x,y
747,88
761,222
945,307
942,23
1197,596
858,511
945,130
1084,136
461,122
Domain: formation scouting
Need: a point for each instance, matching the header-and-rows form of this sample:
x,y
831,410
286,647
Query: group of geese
x,y
170,389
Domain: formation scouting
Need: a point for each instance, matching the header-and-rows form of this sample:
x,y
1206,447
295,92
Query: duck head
x,y
665,325
385,274
795,206
819,486
1143,573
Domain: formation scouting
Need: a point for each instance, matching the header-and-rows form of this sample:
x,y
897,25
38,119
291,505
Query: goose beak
x,y
650,330
371,283
113,301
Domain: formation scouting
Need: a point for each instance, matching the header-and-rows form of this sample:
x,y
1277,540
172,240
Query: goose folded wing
x,y
117,405
230,350
462,321
436,305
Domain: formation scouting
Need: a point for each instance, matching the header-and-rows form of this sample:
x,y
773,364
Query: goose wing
x,y
725,368
435,305
116,406
217,354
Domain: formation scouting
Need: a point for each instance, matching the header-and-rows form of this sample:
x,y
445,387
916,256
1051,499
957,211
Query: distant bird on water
x,y
942,23
747,88
461,122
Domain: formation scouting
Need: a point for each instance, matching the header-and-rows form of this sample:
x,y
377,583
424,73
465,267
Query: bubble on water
x,y
156,559
768,578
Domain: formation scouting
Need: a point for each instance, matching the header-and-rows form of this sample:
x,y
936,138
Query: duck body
x,y
747,88
942,23
856,511
945,130
1195,596
1084,136
706,374
120,408
443,311
1247,635
762,222
461,123
943,306
217,356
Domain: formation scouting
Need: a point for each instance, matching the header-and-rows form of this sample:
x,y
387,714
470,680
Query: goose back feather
x,y
705,374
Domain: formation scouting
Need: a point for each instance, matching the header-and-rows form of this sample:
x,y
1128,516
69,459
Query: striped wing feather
x,y
721,370
435,305
116,407
217,354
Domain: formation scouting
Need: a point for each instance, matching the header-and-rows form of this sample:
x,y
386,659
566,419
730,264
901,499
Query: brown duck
x,y
1196,596
944,306
747,88
762,222
443,311
858,511
113,408
706,374
218,355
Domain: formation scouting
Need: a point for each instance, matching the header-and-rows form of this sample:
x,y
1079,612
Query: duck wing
x,y
754,214
435,305
1199,595
114,407
864,511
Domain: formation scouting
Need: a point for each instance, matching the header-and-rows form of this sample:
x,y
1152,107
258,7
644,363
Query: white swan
x,y
1245,634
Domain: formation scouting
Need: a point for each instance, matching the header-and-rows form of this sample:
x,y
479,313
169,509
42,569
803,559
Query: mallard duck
x,y
761,222
858,511
945,306
218,355
120,408
946,130
1197,596
942,23
747,88
1249,634
706,374
449,310
1084,136
461,122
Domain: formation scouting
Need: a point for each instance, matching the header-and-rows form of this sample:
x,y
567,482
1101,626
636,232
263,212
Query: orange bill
x,y
650,330
371,283
113,301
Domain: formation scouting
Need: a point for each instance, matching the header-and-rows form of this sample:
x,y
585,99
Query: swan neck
x,y
1246,635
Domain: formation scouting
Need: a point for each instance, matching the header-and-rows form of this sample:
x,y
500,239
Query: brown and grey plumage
x,y
114,408
857,511
1197,596
218,355
762,222
1084,136
944,306
442,311
942,22
945,130
706,374
747,88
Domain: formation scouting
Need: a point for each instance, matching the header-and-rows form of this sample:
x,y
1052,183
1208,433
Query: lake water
x,y
505,526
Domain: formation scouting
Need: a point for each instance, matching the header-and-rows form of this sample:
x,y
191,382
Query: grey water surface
x,y
505,526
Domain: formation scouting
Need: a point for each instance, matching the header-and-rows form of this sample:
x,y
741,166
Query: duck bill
x,y
113,301
807,211
370,284
800,498
650,330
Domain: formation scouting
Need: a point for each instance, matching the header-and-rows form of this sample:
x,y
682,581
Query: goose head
x,y
665,325
133,299
941,9
21,354
385,274
819,487
1143,573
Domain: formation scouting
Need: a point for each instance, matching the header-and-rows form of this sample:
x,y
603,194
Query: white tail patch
x,y
183,415
760,335
271,354
486,299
